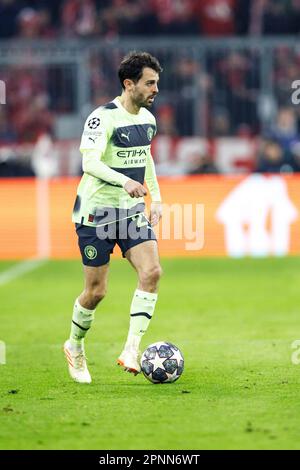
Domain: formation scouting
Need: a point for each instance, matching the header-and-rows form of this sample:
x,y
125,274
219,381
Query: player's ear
x,y
128,84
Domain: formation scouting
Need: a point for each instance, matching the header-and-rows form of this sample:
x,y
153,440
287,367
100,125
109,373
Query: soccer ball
x,y
162,362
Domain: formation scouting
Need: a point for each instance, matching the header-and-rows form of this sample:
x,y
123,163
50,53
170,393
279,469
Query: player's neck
x,y
127,103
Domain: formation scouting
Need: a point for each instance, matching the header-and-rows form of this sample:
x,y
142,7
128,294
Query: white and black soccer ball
x,y
162,362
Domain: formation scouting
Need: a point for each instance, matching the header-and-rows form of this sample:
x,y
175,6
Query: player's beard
x,y
143,102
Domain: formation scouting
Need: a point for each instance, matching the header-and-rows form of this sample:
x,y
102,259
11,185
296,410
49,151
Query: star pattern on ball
x,y
162,362
177,355
158,362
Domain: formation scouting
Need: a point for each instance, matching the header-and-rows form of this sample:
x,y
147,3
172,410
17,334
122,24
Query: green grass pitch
x,y
234,320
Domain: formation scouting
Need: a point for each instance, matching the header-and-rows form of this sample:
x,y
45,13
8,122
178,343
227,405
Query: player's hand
x,y
155,213
135,189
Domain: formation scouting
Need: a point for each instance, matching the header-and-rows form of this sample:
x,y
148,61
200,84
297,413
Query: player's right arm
x,y
93,145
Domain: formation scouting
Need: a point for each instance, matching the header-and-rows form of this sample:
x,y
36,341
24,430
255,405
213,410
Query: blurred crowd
x,y
277,149
218,95
110,18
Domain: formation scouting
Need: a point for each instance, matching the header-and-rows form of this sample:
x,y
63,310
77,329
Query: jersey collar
x,y
120,106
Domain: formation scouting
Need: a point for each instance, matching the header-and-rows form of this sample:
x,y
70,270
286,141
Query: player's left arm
x,y
152,183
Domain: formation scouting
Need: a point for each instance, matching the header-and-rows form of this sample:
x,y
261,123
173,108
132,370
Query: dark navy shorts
x,y
97,243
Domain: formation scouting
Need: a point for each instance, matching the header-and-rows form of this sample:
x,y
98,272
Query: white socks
x,y
81,323
141,311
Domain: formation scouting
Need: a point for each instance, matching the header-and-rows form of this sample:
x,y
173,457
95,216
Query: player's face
x,y
145,90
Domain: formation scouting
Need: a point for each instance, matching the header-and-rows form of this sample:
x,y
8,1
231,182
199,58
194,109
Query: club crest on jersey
x,y
150,133
90,252
94,123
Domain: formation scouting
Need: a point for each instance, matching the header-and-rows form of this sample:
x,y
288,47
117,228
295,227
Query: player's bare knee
x,y
95,294
99,293
151,275
156,273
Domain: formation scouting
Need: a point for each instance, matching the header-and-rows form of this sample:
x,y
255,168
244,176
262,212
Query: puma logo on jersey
x,y
125,135
93,140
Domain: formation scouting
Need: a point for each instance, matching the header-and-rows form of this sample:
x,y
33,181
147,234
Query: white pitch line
x,y
20,269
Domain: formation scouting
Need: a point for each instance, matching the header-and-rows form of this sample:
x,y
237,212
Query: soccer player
x,y
109,208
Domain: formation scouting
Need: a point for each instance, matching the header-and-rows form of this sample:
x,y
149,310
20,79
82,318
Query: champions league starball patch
x,y
94,123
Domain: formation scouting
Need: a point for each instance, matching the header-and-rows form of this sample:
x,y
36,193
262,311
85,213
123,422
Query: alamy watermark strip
x,y
2,353
2,92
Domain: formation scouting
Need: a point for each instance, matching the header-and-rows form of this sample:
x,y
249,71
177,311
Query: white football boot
x,y
130,356
77,364
129,360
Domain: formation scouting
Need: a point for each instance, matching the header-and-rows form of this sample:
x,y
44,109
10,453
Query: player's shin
x,y
141,312
81,323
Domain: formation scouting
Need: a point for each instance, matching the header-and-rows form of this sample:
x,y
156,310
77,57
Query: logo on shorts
x,y
150,133
90,252
94,123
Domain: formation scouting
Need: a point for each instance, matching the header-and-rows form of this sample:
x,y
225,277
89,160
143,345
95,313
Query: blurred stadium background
x,y
225,108
228,138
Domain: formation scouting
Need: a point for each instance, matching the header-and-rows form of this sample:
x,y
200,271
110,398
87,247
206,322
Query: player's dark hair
x,y
133,64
